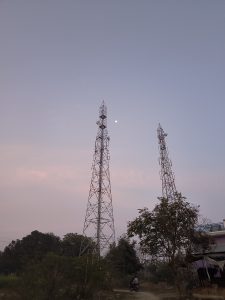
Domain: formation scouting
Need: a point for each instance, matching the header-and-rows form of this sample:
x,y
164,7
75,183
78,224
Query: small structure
x,y
210,264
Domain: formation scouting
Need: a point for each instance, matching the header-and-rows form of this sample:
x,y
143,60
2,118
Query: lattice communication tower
x,y
169,190
99,221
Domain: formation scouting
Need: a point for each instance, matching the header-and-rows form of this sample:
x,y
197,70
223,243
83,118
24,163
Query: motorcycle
x,y
134,287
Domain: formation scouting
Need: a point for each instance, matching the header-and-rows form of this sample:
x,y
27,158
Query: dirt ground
x,y
136,295
201,294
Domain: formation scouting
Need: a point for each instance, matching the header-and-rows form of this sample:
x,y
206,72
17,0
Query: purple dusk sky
x,y
151,61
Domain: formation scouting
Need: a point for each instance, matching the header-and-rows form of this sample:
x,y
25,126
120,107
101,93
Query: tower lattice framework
x,y
169,190
99,220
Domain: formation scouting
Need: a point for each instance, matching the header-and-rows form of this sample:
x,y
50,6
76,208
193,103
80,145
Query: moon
x,y
116,121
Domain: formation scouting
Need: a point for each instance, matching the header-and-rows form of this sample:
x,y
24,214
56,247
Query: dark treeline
x,y
44,266
34,247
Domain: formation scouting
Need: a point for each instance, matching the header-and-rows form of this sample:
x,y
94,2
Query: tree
x,y
167,232
32,247
37,245
123,258
71,244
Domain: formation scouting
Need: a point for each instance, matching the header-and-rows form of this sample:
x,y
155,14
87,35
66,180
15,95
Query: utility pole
x,y
99,221
169,190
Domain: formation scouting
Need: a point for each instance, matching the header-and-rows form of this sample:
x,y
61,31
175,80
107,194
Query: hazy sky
x,y
151,61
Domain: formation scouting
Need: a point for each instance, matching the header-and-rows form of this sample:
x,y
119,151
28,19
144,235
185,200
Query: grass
x,y
8,281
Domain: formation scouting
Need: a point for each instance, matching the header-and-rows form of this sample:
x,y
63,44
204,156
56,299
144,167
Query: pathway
x,y
138,295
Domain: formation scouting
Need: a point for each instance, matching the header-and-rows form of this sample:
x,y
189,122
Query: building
x,y
210,264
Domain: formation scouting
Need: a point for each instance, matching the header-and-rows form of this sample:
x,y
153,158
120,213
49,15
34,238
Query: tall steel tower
x,y
99,221
168,180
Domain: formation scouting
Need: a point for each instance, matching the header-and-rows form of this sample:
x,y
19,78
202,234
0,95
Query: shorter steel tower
x,y
99,221
169,190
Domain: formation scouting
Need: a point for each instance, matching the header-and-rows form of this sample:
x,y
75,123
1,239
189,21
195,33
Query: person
x,y
134,283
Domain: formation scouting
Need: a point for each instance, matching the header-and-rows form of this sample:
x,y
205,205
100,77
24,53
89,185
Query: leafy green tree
x,y
168,231
32,247
123,258
71,244
36,245
11,259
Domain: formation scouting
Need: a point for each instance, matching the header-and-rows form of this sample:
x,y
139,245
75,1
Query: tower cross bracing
x,y
99,220
169,190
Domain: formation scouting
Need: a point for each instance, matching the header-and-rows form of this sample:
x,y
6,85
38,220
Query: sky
x,y
150,61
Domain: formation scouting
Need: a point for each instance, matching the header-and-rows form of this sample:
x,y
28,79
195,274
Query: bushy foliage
x,y
72,242
123,261
35,246
9,281
32,247
167,231
59,277
160,272
168,235
47,267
